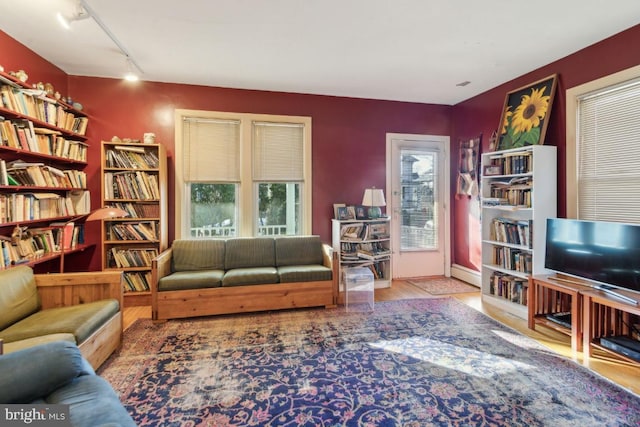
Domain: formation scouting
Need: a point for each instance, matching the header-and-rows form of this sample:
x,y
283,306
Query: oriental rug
x,y
423,362
442,285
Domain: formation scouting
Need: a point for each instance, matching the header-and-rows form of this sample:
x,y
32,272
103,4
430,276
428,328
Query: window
x,y
242,174
603,149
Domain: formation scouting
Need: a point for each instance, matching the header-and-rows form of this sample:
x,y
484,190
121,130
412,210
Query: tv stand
x,y
606,317
610,290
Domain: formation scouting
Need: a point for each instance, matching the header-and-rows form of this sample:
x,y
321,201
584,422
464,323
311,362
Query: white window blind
x,y
211,150
278,152
609,154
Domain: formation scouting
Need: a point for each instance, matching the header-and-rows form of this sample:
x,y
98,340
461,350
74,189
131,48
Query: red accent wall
x,y
349,135
481,114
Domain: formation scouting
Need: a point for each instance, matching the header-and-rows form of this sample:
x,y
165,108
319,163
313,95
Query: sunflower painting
x,y
525,114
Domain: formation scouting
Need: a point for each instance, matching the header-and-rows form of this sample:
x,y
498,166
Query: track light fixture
x,y
84,11
79,14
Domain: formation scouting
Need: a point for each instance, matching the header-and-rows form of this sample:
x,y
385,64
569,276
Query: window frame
x,y
247,188
573,96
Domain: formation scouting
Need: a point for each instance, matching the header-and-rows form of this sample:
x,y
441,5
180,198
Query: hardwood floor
x,y
615,369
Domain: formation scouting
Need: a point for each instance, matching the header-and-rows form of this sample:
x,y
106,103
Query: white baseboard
x,y
466,275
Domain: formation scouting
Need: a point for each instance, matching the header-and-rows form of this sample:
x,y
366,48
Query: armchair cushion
x,y
35,372
18,295
80,320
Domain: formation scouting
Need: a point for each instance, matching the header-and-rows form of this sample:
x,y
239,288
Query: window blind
x,y
278,152
609,154
211,150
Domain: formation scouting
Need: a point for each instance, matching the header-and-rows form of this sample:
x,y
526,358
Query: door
x,y
418,185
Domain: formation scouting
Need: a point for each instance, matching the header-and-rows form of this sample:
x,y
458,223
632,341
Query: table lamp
x,y
374,198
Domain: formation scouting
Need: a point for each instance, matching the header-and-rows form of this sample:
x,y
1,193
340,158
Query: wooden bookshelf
x,y
43,153
134,179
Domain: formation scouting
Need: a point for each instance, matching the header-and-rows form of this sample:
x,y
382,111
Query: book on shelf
x,y
64,234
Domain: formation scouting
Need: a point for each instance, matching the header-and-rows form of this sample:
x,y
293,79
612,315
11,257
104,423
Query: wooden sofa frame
x,y
239,299
65,289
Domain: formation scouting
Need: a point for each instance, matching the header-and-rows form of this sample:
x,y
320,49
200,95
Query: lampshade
x,y
106,213
373,197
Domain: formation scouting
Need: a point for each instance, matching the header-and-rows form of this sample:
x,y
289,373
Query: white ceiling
x,y
404,50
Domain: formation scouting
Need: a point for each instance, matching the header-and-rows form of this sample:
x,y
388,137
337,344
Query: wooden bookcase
x,y
518,189
134,178
43,153
364,243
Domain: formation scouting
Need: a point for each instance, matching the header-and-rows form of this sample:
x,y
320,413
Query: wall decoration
x,y
525,114
468,167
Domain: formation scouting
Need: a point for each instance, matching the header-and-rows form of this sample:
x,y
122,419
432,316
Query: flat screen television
x,y
605,252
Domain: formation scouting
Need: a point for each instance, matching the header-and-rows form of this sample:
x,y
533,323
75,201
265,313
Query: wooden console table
x,y
605,316
550,294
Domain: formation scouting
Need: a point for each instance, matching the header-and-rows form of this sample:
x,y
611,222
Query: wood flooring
x,y
617,370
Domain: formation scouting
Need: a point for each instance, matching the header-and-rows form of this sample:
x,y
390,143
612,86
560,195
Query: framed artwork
x,y
342,213
361,212
468,167
525,114
351,212
336,207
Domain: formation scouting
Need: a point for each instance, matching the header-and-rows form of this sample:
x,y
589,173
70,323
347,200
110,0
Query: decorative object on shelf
x,y
22,76
149,138
525,114
374,199
336,209
468,167
493,141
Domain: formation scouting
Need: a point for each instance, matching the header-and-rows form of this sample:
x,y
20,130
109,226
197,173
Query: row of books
x,y
516,232
139,210
127,257
40,175
512,259
359,251
35,103
28,245
123,156
132,231
137,281
364,231
509,287
511,196
511,164
138,185
21,207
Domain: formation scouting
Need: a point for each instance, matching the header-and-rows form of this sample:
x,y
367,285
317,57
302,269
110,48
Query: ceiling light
x,y
463,84
66,20
131,76
83,11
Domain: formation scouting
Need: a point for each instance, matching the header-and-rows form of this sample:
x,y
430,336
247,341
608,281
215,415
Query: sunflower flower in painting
x,y
532,109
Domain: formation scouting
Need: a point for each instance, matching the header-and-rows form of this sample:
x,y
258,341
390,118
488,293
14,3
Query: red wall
x,y
349,135
481,114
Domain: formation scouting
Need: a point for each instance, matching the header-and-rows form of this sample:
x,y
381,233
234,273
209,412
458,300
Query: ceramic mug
x,y
149,138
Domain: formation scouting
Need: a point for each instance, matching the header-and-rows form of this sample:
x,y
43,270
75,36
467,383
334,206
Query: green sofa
x,y
55,373
82,308
215,276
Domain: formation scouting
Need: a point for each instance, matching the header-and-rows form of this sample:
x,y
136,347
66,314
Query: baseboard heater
x,y
623,345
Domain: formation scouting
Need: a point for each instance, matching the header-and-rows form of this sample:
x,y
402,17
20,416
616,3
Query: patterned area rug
x,y
442,285
432,361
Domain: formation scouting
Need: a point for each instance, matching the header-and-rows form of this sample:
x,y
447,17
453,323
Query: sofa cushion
x,y
181,280
81,320
49,367
205,254
18,295
250,276
298,250
304,273
92,402
10,347
243,252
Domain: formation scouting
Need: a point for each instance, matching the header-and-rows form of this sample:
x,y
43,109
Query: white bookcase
x,y
518,194
364,243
